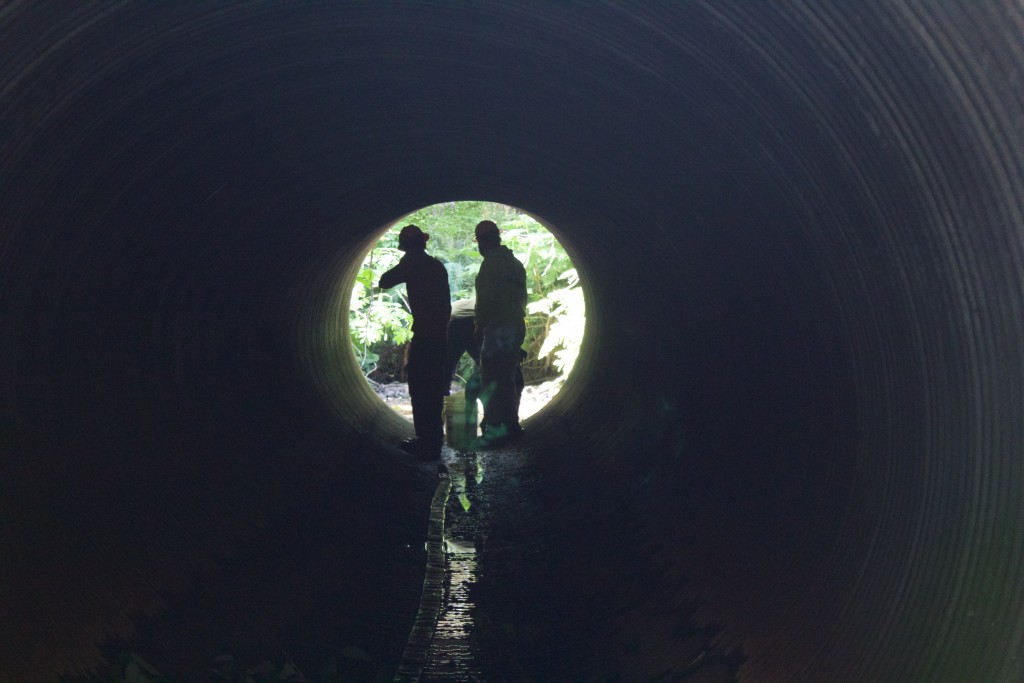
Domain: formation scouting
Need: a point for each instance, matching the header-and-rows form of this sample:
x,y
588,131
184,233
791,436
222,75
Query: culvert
x,y
801,227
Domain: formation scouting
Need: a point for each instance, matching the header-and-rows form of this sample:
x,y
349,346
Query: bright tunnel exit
x,y
379,321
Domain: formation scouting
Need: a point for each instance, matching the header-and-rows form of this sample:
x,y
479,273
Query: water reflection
x,y
466,474
452,656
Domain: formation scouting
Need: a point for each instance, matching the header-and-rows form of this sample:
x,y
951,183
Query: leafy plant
x,y
376,316
565,314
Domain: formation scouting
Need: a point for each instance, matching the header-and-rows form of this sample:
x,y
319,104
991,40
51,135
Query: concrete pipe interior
x,y
799,407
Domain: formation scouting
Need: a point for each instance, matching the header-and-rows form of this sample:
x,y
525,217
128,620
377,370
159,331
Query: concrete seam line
x,y
431,599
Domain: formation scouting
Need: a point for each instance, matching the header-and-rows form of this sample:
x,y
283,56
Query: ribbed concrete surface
x,y
799,402
433,597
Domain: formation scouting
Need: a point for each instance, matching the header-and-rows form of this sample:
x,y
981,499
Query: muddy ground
x,y
535,396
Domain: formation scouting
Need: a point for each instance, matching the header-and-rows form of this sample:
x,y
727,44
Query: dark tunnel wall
x,y
799,228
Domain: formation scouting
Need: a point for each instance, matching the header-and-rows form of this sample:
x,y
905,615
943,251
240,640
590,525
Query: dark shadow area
x,y
796,418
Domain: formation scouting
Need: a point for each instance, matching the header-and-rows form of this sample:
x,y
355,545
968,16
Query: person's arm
x,y
523,294
395,276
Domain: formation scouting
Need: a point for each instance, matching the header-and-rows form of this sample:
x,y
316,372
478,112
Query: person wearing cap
x,y
426,281
500,326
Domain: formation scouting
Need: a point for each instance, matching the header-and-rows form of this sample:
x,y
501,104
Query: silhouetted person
x,y
426,281
500,326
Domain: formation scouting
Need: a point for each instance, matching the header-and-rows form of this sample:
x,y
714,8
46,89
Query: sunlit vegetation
x,y
379,321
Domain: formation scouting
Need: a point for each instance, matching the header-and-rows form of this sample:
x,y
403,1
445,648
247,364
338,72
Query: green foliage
x,y
377,317
564,312
379,320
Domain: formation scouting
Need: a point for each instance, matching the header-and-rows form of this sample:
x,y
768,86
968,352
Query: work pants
x,y
499,360
426,375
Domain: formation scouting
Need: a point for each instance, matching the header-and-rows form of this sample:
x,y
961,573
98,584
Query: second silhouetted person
x,y
500,326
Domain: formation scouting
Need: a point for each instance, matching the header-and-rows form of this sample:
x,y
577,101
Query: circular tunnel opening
x,y
379,321
803,221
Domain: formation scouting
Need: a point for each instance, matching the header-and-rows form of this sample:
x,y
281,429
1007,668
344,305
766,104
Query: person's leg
x,y
499,356
460,338
414,371
426,392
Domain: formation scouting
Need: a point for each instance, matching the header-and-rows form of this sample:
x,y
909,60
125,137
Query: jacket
x,y
500,290
426,281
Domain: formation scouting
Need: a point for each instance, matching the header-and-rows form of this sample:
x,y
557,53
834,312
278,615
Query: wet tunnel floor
x,y
455,637
529,584
499,618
